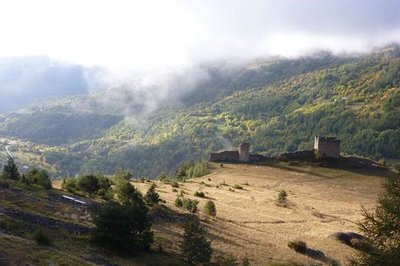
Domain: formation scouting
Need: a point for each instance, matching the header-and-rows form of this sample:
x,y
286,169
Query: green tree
x,y
105,190
10,170
88,184
382,229
38,177
128,194
152,197
123,228
195,246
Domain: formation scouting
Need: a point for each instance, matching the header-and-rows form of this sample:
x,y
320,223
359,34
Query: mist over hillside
x,y
24,80
152,123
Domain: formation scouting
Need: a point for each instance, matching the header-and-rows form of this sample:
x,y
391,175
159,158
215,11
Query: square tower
x,y
327,147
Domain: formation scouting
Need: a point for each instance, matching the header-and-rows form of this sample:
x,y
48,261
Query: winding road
x,y
8,152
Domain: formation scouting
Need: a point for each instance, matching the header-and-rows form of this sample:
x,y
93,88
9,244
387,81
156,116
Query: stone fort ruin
x,y
324,148
241,155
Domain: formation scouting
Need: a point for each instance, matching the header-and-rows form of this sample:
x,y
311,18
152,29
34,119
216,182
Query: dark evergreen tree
x,y
195,246
127,194
382,229
88,184
152,197
10,170
123,228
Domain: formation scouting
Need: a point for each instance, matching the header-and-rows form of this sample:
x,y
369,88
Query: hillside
x,y
249,223
277,105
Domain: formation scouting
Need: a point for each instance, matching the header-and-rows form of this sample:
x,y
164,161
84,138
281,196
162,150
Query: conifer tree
x,y
10,170
195,246
382,229
152,197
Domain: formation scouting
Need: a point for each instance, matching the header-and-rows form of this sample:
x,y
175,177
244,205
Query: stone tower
x,y
244,153
327,147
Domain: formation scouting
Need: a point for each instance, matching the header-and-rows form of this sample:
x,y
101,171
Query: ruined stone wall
x,y
225,156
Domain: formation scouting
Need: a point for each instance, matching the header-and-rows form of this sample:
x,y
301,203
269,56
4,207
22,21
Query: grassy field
x,y
249,223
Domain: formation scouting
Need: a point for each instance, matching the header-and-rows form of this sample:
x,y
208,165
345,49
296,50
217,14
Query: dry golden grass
x,y
249,223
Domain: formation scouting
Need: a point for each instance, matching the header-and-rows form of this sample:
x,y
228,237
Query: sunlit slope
x,y
250,224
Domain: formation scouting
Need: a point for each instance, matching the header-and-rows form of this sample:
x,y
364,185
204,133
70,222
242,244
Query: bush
x,y
41,238
282,197
69,184
210,209
38,177
237,187
178,202
190,205
298,246
199,194
174,190
175,184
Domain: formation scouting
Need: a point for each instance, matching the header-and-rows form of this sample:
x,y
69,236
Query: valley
x,y
276,105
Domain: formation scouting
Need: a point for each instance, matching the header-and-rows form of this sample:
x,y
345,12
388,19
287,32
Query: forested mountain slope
x,y
278,105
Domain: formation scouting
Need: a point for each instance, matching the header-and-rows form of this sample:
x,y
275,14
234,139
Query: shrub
x,y
199,194
178,202
69,184
298,246
175,184
195,246
210,209
121,175
38,177
190,205
282,197
174,190
162,177
227,261
245,262
237,187
41,238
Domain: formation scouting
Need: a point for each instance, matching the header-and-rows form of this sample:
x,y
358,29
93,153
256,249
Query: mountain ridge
x,y
277,109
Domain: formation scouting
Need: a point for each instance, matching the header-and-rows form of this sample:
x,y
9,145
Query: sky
x,y
156,34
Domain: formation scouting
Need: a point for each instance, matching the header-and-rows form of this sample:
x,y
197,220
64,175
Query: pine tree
x,y
152,197
382,229
195,246
10,170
